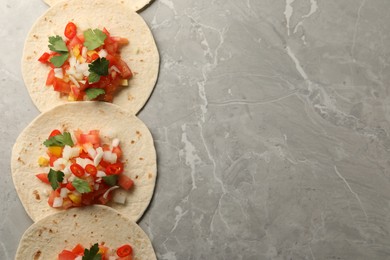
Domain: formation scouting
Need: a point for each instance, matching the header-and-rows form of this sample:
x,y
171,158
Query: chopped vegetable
x,y
55,178
86,61
70,30
81,185
94,38
83,171
59,140
93,93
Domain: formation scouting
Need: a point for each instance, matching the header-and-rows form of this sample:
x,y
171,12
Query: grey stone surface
x,y
271,121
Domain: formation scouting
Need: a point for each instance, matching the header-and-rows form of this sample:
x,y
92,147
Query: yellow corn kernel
x,y
43,162
76,50
71,97
90,53
55,150
81,59
124,83
76,199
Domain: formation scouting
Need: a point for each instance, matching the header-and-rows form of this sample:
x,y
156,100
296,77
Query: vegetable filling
x,y
86,66
82,171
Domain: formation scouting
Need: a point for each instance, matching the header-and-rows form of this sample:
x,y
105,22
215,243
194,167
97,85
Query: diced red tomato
x,y
111,60
121,41
92,138
76,40
61,86
94,56
70,186
75,91
125,182
43,177
70,30
106,32
54,194
91,169
124,69
52,159
84,155
118,152
114,169
54,133
124,250
67,255
78,249
44,58
50,78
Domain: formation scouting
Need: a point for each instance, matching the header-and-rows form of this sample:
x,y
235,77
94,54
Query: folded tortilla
x,y
139,154
140,54
46,238
136,5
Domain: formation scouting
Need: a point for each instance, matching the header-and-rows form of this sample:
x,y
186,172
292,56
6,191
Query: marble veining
x,y
271,122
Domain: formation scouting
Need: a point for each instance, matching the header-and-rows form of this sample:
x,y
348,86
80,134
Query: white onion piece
x,y
119,197
84,52
98,158
115,142
74,81
108,191
83,161
96,186
102,53
100,174
115,68
64,192
58,201
81,258
91,152
109,157
66,152
59,164
58,73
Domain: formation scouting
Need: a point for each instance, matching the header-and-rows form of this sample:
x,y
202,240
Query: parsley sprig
x,y
55,178
97,68
81,185
92,253
94,38
57,44
59,140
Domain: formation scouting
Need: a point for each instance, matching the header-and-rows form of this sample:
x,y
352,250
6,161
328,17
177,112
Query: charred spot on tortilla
x,y
136,176
150,175
74,215
36,194
141,158
132,141
37,255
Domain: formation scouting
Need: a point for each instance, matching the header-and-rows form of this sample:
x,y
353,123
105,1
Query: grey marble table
x,y
271,121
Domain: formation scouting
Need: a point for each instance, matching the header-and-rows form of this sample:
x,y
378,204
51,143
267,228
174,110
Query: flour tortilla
x,y
135,5
140,54
139,155
46,238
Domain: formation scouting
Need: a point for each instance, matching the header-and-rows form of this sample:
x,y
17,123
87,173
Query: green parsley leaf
x,y
99,66
81,186
58,61
55,178
92,253
93,77
57,44
59,140
94,38
93,93
110,179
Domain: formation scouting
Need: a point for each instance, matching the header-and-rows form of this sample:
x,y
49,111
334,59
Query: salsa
x,y
97,251
87,65
81,170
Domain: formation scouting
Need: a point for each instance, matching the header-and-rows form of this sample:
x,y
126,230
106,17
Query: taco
x,y
135,5
81,162
71,230
113,18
